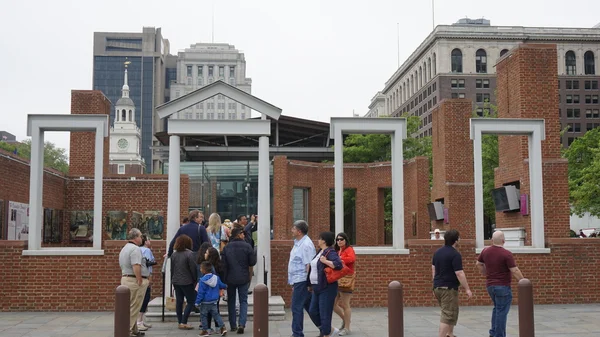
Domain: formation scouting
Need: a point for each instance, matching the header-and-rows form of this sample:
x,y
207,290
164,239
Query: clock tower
x,y
125,136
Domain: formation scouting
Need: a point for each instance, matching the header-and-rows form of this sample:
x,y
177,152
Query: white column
x,y
173,203
536,190
264,211
36,187
477,166
339,181
98,174
397,191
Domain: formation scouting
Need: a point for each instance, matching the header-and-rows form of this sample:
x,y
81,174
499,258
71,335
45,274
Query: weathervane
x,y
127,62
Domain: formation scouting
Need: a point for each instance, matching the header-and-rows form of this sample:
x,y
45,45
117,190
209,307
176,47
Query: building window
x,y
300,204
231,71
456,57
221,115
572,85
482,98
481,61
594,99
221,106
588,99
210,71
232,115
482,84
572,99
121,169
189,71
200,81
589,64
573,113
588,113
591,85
221,71
479,112
433,65
200,70
458,95
504,51
457,83
211,106
429,68
232,106
243,115
570,63
595,113
210,115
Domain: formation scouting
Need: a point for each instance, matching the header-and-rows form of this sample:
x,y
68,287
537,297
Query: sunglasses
x,y
340,239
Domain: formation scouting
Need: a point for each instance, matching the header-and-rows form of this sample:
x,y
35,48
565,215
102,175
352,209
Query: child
x,y
208,295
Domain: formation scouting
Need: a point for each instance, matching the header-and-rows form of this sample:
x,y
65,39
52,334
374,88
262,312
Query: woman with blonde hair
x,y
217,233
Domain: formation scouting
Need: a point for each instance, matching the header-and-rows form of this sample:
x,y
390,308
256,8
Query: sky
x,y
313,59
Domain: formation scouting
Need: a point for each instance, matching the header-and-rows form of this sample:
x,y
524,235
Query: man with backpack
x,y
194,230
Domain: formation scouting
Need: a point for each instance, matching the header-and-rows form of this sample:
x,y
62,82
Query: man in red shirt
x,y
497,265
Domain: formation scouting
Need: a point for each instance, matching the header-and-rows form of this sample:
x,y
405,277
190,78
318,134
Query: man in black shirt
x,y
194,230
448,275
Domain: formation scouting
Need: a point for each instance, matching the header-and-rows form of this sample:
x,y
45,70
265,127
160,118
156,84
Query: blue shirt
x,y
195,231
147,253
300,256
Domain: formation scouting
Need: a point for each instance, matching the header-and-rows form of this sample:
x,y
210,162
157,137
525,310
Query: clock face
x,y
123,143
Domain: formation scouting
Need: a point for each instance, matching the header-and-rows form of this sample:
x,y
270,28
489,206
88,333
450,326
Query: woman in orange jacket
x,y
342,301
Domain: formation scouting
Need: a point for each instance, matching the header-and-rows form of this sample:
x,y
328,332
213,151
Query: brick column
x,y
282,200
453,165
82,146
527,88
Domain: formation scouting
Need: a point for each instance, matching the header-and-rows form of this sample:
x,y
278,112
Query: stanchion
x,y
261,311
526,326
122,311
395,310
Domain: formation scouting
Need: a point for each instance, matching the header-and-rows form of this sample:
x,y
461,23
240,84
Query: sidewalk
x,y
550,320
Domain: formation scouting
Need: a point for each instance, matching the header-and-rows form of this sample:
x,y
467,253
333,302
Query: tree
x,y
54,157
584,173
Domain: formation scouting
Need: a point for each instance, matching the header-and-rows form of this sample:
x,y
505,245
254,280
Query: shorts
x,y
448,300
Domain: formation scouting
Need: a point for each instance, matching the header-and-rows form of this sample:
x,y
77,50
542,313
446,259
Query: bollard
x,y
261,311
395,310
122,311
526,327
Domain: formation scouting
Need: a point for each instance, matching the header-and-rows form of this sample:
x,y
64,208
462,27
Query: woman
x,y
217,234
323,298
183,277
342,301
212,256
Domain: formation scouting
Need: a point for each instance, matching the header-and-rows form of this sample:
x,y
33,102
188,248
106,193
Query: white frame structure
x,y
396,127
248,127
534,129
36,126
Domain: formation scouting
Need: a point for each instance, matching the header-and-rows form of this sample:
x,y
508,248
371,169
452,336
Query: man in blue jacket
x,y
236,258
208,294
194,230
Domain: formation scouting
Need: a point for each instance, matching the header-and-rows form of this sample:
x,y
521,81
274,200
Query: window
x,y
457,83
300,204
588,99
221,106
458,95
570,141
221,115
211,106
574,127
461,95
210,115
479,112
572,99
594,99
572,85
589,63
481,61
231,71
232,106
481,98
189,71
504,51
121,169
570,63
210,71
231,115
482,84
573,113
591,85
243,115
595,113
200,81
200,68
200,106
456,59
588,113
221,71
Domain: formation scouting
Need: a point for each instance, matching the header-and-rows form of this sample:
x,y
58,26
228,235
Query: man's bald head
x,y
498,238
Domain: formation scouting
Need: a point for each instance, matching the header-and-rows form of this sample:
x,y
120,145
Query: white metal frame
x,y
396,127
534,129
36,126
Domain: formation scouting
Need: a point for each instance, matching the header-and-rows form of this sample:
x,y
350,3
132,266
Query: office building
x,y
457,61
204,63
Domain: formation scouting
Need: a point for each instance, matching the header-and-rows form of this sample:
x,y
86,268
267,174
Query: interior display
x,y
116,225
136,221
52,229
436,211
82,226
506,198
154,223
18,221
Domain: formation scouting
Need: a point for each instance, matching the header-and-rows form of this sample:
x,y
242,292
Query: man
x,y
149,260
448,275
497,264
242,221
132,276
300,256
436,235
194,230
236,258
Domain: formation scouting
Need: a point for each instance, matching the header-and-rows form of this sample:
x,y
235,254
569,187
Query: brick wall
x,y
129,169
369,180
453,174
523,77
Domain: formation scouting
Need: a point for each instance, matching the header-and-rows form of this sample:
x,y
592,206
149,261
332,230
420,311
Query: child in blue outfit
x,y
209,288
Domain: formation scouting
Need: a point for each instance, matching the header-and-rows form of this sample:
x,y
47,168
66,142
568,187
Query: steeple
x,y
125,89
125,109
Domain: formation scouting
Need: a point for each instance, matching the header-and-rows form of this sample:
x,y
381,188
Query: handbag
x,y
334,275
170,303
346,283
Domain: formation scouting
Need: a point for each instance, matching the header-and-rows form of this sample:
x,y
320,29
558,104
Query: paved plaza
x,y
550,320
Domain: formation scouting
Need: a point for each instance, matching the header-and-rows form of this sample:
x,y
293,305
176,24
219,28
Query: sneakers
x,y
240,330
182,326
203,333
343,325
147,325
344,332
335,332
142,327
223,331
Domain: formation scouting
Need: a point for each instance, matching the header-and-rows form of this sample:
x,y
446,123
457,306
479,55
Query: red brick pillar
x,y
416,197
82,147
453,165
282,199
527,88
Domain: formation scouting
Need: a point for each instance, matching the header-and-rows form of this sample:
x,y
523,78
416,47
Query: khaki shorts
x,y
448,300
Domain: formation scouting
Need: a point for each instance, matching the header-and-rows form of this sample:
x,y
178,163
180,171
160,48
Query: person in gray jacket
x,y
183,277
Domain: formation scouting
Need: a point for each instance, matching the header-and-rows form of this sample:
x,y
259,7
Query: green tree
x,y
584,173
54,157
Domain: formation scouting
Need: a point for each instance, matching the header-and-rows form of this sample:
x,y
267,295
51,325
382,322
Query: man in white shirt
x,y
132,276
436,235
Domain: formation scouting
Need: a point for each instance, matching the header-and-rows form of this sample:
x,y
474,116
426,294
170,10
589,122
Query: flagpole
x,y
433,13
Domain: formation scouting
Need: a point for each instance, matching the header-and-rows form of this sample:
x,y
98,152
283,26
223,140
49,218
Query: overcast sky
x,y
314,59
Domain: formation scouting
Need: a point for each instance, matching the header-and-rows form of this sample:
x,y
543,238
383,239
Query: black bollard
x,y
395,310
261,311
526,326
122,311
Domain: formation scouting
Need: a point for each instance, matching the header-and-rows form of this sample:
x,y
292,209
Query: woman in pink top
x,y
342,301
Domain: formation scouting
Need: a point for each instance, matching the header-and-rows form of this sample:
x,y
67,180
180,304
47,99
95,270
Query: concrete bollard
x,y
261,311
122,311
526,326
395,310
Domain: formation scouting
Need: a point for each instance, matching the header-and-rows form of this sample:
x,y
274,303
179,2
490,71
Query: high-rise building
x,y
204,63
147,53
457,61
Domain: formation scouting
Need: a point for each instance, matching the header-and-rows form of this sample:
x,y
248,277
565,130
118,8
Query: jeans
x,y
189,293
210,317
502,298
208,310
242,290
301,299
321,307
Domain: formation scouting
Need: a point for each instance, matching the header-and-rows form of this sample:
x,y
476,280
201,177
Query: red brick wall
x,y
453,165
129,169
367,179
530,72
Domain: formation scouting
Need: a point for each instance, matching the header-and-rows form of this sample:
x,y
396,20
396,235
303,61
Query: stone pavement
x,y
550,320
